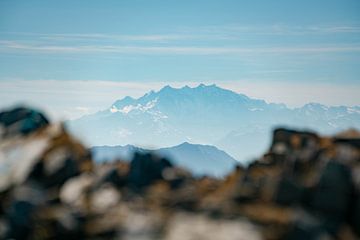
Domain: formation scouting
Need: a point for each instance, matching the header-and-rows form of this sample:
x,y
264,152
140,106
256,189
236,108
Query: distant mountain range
x,y
200,159
206,115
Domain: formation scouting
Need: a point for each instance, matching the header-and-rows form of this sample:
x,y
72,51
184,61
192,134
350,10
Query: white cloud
x,y
205,32
73,98
298,94
100,36
139,44
14,45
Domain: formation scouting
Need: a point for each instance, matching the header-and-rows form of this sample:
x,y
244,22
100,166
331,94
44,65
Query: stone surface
x,y
305,187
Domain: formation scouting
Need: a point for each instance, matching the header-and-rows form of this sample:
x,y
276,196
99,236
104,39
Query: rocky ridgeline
x,y
304,187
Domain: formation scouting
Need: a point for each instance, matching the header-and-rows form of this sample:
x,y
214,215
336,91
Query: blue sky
x,y
63,53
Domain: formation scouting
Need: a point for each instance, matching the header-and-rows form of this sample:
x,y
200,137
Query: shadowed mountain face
x,y
208,115
200,159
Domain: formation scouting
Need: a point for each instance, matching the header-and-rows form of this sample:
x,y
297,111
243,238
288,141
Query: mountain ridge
x,y
206,114
199,159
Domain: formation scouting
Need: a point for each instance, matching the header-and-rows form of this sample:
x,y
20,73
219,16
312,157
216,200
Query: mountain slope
x,y
199,159
206,115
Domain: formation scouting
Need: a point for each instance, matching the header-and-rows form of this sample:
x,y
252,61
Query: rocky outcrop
x,y
305,187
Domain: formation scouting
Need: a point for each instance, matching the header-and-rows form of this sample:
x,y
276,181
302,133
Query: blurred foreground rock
x,y
305,187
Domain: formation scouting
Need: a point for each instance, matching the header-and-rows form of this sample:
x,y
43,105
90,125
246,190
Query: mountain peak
x,y
315,107
202,85
185,144
167,87
187,87
124,101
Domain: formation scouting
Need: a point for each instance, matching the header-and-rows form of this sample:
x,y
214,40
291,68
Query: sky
x,y
76,57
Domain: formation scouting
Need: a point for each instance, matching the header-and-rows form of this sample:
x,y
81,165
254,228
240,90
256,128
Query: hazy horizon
x,y
107,92
72,58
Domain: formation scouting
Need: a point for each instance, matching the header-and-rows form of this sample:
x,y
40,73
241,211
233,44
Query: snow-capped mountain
x,y
208,115
200,159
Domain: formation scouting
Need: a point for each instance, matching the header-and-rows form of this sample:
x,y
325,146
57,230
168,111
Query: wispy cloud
x,y
335,29
187,50
212,32
236,39
279,29
100,36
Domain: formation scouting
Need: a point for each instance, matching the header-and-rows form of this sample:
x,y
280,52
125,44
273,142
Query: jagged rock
x,y
289,192
305,187
21,120
191,226
49,157
117,176
332,196
145,169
